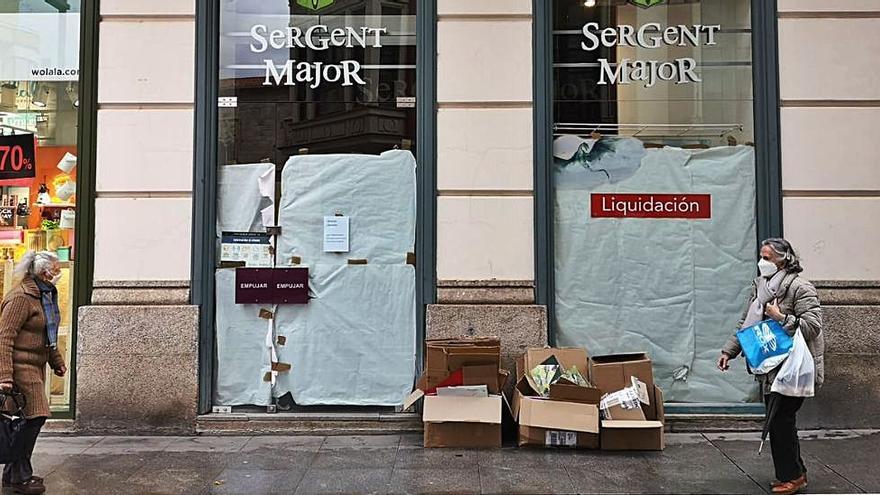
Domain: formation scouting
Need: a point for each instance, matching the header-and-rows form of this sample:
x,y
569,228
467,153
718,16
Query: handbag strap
x,y
18,398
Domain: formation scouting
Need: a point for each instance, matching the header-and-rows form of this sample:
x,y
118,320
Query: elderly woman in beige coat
x,y
29,320
780,293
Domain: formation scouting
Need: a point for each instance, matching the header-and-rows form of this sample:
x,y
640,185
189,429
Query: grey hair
x,y
35,264
784,249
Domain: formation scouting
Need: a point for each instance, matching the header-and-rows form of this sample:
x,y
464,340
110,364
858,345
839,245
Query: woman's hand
x,y
6,386
723,362
61,370
771,309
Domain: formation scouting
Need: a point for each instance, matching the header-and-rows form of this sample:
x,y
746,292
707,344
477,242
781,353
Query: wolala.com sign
x,y
319,38
649,36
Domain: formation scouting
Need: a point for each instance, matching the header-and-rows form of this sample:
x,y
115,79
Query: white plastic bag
x,y
797,375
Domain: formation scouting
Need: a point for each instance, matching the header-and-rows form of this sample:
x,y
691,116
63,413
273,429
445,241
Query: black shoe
x,y
7,484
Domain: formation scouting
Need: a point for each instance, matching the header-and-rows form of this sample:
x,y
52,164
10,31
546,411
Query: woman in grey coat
x,y
779,293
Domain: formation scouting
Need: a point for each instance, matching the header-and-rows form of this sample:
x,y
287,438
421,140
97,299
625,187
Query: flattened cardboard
x,y
537,437
555,415
462,435
412,399
462,410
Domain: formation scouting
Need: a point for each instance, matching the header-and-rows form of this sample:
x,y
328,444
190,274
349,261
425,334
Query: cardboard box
x,y
569,417
548,423
462,422
613,372
458,367
636,434
452,354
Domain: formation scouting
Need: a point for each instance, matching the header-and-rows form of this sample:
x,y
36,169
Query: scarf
x,y
767,291
49,298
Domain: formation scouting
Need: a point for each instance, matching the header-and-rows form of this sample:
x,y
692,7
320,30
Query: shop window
x,y
39,104
316,194
654,184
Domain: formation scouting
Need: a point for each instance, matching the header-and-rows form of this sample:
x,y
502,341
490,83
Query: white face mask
x,y
767,268
56,279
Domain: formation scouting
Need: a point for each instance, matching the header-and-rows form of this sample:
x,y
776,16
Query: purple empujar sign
x,y
271,286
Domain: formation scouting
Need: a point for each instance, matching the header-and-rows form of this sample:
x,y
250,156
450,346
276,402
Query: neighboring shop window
x,y
654,179
39,102
316,203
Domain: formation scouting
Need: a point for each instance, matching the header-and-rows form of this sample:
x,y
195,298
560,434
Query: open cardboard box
x,y
454,421
613,372
643,432
569,417
462,422
639,429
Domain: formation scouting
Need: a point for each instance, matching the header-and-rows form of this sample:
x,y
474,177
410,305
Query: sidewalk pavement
x,y
837,462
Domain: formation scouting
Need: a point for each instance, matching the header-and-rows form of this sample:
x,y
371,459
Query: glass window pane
x,y
654,176
39,105
317,120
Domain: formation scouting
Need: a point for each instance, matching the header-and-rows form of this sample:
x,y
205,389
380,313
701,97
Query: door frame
x,y
207,42
768,173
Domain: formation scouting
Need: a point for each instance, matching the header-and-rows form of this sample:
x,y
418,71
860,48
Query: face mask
x,y
56,279
767,268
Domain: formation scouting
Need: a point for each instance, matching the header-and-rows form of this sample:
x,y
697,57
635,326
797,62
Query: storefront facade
x,y
40,180
514,147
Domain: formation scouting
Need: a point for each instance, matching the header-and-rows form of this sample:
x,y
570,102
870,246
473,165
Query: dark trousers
x,y
22,470
784,438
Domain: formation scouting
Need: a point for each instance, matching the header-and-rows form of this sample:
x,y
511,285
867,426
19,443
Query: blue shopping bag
x,y
765,345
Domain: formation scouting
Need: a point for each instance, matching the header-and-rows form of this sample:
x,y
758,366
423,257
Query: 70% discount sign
x,y
17,157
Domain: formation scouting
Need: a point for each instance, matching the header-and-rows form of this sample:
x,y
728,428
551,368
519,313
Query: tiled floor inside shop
x,y
838,462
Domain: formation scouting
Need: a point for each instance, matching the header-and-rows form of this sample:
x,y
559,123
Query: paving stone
x,y
210,462
257,481
207,444
355,458
855,459
412,440
172,480
64,445
125,445
419,458
306,443
435,481
524,457
93,474
46,464
760,468
525,480
685,468
838,462
366,441
269,458
362,481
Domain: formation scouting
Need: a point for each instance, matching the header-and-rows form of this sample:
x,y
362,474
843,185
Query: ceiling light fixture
x,y
589,3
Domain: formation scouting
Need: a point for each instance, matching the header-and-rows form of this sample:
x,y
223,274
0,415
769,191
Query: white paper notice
x,y
336,234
